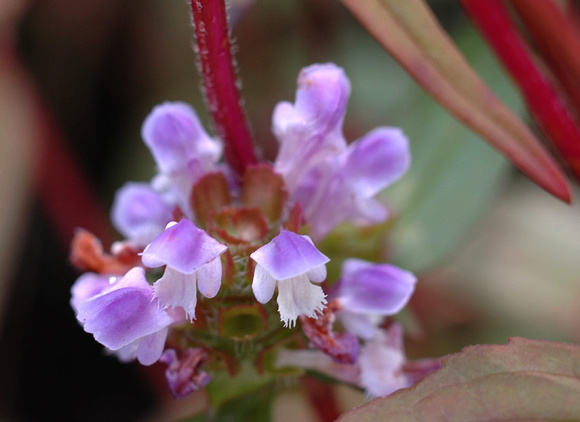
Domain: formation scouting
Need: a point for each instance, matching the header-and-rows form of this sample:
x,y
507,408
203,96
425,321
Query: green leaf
x,y
523,380
410,32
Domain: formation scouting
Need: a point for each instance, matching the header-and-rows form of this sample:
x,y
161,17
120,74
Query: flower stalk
x,y
219,81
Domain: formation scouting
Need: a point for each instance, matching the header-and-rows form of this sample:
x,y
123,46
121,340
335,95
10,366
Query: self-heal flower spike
x,y
291,262
367,290
192,260
124,316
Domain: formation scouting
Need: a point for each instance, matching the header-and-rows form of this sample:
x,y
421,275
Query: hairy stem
x,y
219,79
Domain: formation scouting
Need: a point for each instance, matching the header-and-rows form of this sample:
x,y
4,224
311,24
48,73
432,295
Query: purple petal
x,y
151,347
139,213
124,313
183,247
289,255
369,288
375,161
361,325
87,286
184,376
311,129
320,104
174,134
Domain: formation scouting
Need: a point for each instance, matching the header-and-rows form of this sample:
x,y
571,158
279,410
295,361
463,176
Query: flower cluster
x,y
197,228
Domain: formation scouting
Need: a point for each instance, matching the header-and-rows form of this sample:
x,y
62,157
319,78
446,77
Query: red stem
x,y
219,78
557,39
493,20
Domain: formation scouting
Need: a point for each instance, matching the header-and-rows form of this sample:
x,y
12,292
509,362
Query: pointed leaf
x,y
523,380
410,32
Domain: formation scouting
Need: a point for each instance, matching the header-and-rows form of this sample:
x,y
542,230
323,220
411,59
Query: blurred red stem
x,y
322,399
558,40
219,78
547,23
493,20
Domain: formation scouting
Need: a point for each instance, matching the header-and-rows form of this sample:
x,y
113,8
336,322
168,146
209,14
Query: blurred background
x,y
496,255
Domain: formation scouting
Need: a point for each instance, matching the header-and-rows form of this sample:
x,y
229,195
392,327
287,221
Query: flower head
x,y
291,262
192,261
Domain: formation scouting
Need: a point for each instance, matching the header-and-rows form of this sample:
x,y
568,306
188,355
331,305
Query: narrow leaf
x,y
547,108
523,380
410,32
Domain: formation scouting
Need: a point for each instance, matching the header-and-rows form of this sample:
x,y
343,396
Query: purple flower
x,y
139,213
184,376
367,290
182,149
310,130
123,316
290,261
174,134
192,260
334,183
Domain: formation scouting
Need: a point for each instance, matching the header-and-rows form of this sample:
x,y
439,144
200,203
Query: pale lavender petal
x,y
289,255
320,104
298,296
174,134
381,365
320,362
126,353
369,211
361,325
151,347
183,247
177,289
369,288
87,286
263,284
124,313
333,205
375,161
317,274
310,130
209,278
139,213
